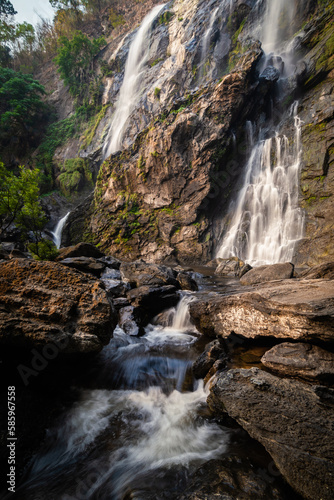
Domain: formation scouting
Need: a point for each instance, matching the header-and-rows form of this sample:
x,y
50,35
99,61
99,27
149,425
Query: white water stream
x,y
130,91
206,43
267,222
56,234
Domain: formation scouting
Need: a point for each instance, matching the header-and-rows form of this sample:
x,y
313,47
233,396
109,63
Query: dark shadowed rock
x,y
80,250
300,360
290,309
324,271
186,282
244,270
229,267
84,264
203,364
262,274
150,301
293,421
233,478
45,302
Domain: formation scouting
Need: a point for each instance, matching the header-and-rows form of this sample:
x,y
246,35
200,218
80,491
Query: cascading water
x,y
130,91
206,43
141,420
56,234
267,222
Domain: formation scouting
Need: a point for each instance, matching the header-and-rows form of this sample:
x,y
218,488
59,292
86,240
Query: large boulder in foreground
x,y
292,420
306,361
273,272
45,302
289,309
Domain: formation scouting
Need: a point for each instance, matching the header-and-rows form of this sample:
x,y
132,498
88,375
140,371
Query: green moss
x,y
325,60
156,61
75,174
157,92
166,17
91,130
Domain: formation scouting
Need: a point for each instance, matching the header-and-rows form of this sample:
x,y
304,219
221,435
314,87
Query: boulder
x,y
306,361
42,303
186,281
262,274
234,478
292,420
214,351
324,271
289,309
229,267
150,301
84,264
140,273
244,270
80,250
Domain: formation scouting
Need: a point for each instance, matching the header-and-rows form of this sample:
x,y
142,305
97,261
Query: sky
x,y
28,10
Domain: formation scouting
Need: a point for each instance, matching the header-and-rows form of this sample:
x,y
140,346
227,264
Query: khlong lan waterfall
x,y
265,221
131,89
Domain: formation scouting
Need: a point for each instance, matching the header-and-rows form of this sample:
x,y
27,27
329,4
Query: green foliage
x,y
156,61
19,203
21,107
75,61
116,19
91,129
106,69
157,92
166,17
43,250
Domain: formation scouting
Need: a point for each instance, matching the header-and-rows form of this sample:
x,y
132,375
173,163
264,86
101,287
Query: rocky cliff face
x,y
166,195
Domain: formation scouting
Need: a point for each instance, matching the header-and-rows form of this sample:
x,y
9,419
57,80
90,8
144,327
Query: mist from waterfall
x,y
130,91
267,222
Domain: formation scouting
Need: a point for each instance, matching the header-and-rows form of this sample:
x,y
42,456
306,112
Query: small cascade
x,y
181,319
56,234
206,44
267,222
131,90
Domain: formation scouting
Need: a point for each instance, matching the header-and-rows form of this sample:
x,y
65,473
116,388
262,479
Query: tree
x,y
75,60
21,108
19,203
6,9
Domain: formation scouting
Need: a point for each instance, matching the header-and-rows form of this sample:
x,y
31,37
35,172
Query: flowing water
x,y
206,43
131,89
140,428
56,234
267,222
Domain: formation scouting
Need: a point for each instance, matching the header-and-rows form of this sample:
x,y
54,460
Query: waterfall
x,y
130,91
267,222
56,234
206,43
181,319
278,13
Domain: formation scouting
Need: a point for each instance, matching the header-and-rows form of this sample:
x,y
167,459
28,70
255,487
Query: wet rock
x,y
270,74
262,274
110,262
45,302
150,301
293,421
214,351
244,270
140,274
80,250
120,302
323,271
290,309
306,361
229,267
186,281
128,323
84,264
233,478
